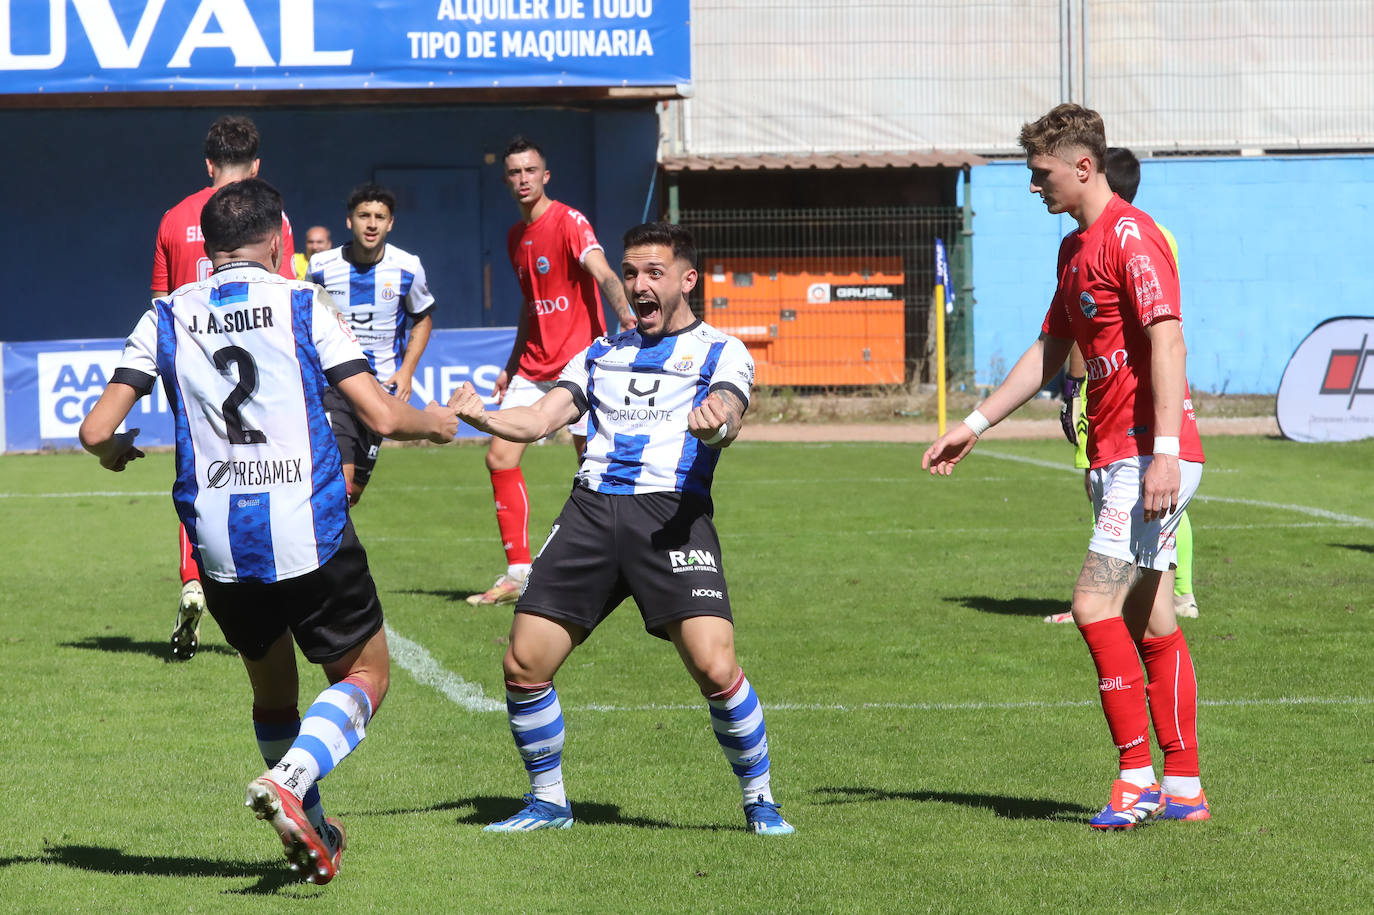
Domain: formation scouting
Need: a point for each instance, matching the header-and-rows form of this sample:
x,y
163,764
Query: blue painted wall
x,y
86,190
1268,248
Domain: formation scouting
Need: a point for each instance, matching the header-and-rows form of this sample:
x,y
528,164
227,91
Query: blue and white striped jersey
x,y
245,357
639,391
377,299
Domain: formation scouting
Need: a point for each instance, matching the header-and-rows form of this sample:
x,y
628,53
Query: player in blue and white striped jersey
x,y
245,357
382,292
663,399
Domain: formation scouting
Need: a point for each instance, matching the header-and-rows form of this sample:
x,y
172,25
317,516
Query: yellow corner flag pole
x,y
940,353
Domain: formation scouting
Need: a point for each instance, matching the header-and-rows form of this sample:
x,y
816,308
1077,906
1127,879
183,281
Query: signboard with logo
x,y
1327,391
50,386
103,46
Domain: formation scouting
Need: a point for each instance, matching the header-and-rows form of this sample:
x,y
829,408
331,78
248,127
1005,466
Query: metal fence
x,y
824,298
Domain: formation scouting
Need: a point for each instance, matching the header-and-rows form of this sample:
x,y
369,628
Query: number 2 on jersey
x,y
244,388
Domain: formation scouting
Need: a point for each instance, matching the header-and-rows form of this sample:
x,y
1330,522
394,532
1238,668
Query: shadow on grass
x,y
1358,547
449,595
122,644
480,810
1010,808
98,859
1016,606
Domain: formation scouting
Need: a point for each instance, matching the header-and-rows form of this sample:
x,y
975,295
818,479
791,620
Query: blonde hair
x,y
1066,125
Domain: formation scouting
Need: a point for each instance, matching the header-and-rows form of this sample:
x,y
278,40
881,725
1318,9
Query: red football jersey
x,y
1116,278
179,255
563,305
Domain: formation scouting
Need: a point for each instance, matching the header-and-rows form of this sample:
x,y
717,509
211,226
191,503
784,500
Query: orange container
x,y
813,322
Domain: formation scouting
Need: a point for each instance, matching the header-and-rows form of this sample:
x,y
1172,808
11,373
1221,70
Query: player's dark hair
x,y
1122,169
521,143
668,234
372,193
1064,126
240,214
232,140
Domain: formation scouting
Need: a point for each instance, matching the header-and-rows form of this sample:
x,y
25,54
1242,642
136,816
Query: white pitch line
x,y
1203,497
413,657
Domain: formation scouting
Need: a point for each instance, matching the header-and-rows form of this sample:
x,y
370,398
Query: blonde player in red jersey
x,y
1118,298
231,154
559,265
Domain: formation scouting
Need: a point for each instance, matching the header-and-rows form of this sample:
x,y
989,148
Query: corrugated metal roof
x,y
821,160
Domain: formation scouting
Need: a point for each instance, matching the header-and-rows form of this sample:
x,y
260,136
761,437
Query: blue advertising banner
x,y
50,386
196,45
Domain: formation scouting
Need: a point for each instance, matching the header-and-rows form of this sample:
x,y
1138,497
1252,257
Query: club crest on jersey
x,y
683,365
542,264
1085,302
388,293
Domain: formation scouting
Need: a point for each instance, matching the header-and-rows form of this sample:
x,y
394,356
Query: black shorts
x,y
658,548
329,611
358,445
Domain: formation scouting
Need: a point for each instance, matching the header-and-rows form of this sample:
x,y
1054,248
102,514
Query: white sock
x,y
551,791
518,571
1143,777
1188,786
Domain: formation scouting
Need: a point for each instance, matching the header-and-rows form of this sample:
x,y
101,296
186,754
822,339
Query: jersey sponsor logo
x,y
1100,367
637,416
648,392
253,473
707,592
1085,302
542,264
692,561
1126,228
1149,296
1112,684
550,306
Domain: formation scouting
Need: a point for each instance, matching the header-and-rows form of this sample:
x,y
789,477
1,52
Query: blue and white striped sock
x,y
276,730
333,726
536,723
737,718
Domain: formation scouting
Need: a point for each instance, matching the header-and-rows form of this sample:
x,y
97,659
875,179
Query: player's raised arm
x,y
718,419
549,413
394,418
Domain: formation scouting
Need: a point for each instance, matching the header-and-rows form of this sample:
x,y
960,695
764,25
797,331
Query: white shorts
x,y
1121,531
521,392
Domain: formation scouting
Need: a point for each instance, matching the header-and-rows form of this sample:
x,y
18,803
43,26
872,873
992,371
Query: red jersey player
x,y
1118,298
560,265
179,257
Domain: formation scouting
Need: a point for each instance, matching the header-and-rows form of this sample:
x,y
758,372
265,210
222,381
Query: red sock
x,y
512,514
189,570
1121,686
1173,701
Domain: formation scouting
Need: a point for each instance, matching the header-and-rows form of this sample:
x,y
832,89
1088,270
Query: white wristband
x,y
723,431
1166,444
977,422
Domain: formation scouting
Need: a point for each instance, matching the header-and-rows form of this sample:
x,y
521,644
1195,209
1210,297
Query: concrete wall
x,y
1268,248
86,190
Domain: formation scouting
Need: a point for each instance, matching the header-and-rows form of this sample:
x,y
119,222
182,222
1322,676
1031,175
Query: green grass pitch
x,y
937,746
